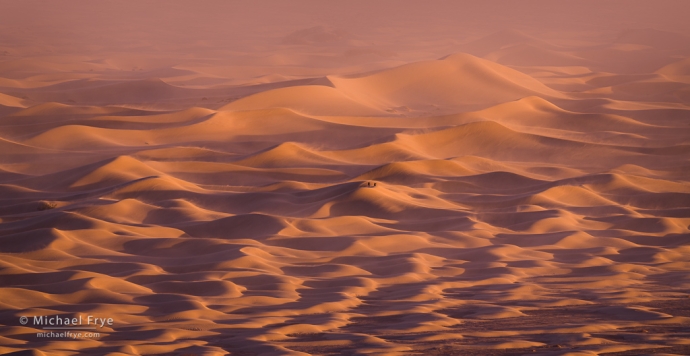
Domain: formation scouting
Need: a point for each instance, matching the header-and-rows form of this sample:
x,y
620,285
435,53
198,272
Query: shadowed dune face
x,y
386,178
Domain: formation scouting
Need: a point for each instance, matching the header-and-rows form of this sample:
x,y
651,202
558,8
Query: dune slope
x,y
532,197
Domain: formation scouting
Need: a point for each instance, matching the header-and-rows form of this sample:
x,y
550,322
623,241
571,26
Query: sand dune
x,y
456,80
678,69
255,183
452,82
527,55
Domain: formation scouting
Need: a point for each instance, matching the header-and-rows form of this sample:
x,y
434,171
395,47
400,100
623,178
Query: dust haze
x,y
345,178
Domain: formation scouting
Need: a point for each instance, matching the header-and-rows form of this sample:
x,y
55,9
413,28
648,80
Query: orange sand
x,y
210,192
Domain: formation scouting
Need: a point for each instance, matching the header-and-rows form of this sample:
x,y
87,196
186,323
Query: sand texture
x,y
532,188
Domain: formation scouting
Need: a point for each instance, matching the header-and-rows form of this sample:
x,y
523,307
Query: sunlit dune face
x,y
307,177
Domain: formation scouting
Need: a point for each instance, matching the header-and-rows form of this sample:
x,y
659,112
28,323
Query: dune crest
x,y
346,178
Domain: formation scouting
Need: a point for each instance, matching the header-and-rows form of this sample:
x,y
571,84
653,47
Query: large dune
x,y
240,179
454,82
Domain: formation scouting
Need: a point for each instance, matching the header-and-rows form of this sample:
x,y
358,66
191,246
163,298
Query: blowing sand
x,y
505,194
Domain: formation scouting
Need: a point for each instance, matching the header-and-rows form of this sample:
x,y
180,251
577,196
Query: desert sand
x,y
314,178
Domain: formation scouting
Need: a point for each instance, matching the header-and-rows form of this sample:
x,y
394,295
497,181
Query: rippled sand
x,y
532,195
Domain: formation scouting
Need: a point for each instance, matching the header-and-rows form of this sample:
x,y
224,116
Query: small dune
x,y
345,178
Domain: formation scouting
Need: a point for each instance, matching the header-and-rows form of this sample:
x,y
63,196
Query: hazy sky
x,y
262,21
